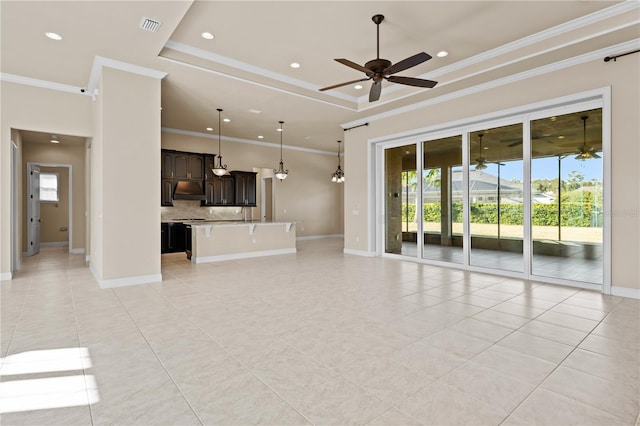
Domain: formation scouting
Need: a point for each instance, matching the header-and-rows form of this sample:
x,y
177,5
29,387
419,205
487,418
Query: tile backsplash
x,y
190,209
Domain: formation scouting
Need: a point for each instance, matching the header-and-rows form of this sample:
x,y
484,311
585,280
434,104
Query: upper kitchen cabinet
x,y
245,188
167,164
188,166
167,188
219,191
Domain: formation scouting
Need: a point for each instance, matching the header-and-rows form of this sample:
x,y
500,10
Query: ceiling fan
x,y
481,162
585,152
379,69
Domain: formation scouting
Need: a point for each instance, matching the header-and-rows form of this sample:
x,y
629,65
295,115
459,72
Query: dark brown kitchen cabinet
x,y
167,186
173,237
167,164
219,191
245,188
188,166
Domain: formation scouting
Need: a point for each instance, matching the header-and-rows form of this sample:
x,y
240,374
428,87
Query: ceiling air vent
x,y
150,25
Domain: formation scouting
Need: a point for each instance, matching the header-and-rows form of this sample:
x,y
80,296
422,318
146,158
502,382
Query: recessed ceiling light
x,y
53,36
294,65
54,139
260,137
226,120
358,86
560,137
486,147
553,118
307,138
207,35
279,129
210,129
442,54
255,111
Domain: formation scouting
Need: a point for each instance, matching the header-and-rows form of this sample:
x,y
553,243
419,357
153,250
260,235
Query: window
x,y
49,187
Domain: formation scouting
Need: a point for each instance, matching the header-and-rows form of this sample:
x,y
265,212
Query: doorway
x,y
58,220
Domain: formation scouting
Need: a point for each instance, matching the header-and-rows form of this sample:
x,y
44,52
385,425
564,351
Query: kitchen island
x,y
219,241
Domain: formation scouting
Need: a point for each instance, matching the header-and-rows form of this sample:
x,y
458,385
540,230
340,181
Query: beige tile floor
x,y
313,338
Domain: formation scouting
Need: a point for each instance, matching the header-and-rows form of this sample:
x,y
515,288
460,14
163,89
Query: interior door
x,y
33,211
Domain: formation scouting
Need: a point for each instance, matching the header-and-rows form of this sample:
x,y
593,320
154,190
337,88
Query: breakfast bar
x,y
220,241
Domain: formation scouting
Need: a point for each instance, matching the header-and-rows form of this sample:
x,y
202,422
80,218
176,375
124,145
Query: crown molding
x,y
100,61
583,21
245,141
556,66
28,81
243,66
255,83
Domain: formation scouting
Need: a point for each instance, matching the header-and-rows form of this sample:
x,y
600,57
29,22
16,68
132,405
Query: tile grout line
x,y
15,327
492,345
241,363
84,371
558,366
232,355
158,358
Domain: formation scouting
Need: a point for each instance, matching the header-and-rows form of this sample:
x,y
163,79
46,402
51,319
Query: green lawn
x,y
577,234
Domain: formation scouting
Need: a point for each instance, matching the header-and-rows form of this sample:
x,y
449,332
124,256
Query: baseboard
x,y
236,256
633,293
359,252
76,250
5,276
319,237
54,244
127,281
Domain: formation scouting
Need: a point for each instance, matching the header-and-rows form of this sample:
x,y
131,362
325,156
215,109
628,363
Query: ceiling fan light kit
x,y
382,69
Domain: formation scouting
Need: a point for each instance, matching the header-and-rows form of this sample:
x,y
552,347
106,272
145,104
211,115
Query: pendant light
x,y
281,173
586,152
338,175
219,169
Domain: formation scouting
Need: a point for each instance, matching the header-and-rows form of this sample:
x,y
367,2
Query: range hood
x,y
188,190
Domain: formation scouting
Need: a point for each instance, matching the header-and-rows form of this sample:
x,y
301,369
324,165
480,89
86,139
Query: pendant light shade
x,y
586,152
281,173
218,168
338,175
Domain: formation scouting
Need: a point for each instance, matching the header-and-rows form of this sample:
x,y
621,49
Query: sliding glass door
x,y
567,196
442,200
552,228
495,198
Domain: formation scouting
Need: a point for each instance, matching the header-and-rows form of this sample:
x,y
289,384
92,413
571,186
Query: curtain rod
x,y
354,127
608,58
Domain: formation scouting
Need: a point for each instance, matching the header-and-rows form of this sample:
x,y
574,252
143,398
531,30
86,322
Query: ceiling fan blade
x,y
353,65
411,61
374,94
344,84
410,81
